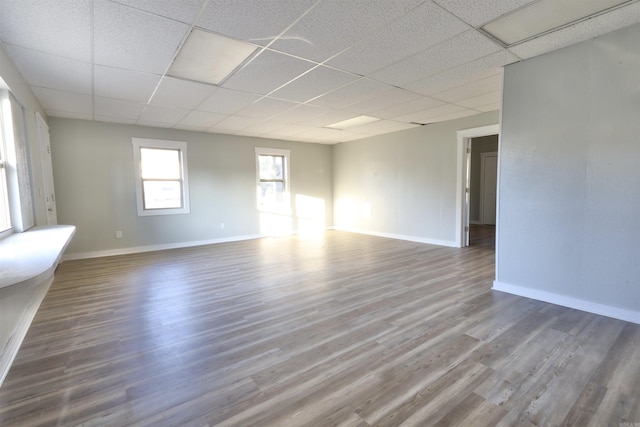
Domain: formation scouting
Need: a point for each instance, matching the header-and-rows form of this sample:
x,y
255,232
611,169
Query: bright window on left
x,y
5,211
161,175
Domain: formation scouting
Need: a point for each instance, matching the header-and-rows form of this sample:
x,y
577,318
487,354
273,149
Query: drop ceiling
x,y
316,62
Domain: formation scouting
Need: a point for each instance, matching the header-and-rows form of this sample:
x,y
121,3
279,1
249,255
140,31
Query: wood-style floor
x,y
340,329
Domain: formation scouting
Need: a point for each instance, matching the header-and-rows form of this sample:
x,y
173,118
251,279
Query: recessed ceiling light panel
x,y
356,121
543,16
209,58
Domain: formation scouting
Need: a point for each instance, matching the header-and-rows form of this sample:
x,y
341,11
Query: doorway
x,y
465,148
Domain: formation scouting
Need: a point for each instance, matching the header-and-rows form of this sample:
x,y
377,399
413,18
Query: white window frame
x,y
286,203
139,143
7,228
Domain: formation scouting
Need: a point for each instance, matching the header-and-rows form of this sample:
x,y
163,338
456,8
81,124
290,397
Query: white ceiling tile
x,y
445,70
347,136
124,84
181,93
265,108
256,21
290,129
265,127
358,91
385,100
316,82
382,126
419,104
227,101
306,135
489,107
130,39
332,136
334,25
167,115
481,100
432,114
455,115
476,13
428,25
300,114
183,10
480,68
51,71
62,101
584,30
61,27
329,117
323,132
235,123
457,50
267,72
201,119
471,89
117,108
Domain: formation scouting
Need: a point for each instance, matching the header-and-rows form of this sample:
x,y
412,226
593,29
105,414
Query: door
x,y
47,170
488,186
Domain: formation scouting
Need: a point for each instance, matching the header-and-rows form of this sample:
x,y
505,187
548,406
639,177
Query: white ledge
x,y
34,254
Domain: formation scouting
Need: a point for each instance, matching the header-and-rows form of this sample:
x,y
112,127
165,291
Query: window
x,y
273,178
5,211
161,176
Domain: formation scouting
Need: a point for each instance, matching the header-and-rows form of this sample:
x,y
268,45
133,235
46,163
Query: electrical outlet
x,y
119,234
222,226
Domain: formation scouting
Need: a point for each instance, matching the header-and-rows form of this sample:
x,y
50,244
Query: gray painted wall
x,y
402,184
485,144
569,192
93,174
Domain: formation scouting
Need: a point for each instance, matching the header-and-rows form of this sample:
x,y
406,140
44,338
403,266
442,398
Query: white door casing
x,y
462,207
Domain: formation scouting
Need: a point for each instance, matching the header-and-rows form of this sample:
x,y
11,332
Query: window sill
x,y
33,255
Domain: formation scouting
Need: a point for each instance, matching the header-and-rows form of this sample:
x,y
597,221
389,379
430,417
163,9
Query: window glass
x,y
162,194
160,163
272,176
271,167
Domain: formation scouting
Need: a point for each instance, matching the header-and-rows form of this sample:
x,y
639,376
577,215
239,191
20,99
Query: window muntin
x,y
161,175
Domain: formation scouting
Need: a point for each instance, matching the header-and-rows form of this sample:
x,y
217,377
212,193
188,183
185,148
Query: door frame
x,y
48,190
462,190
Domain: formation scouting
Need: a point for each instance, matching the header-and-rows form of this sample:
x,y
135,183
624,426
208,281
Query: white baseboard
x,y
475,221
448,243
571,302
151,248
